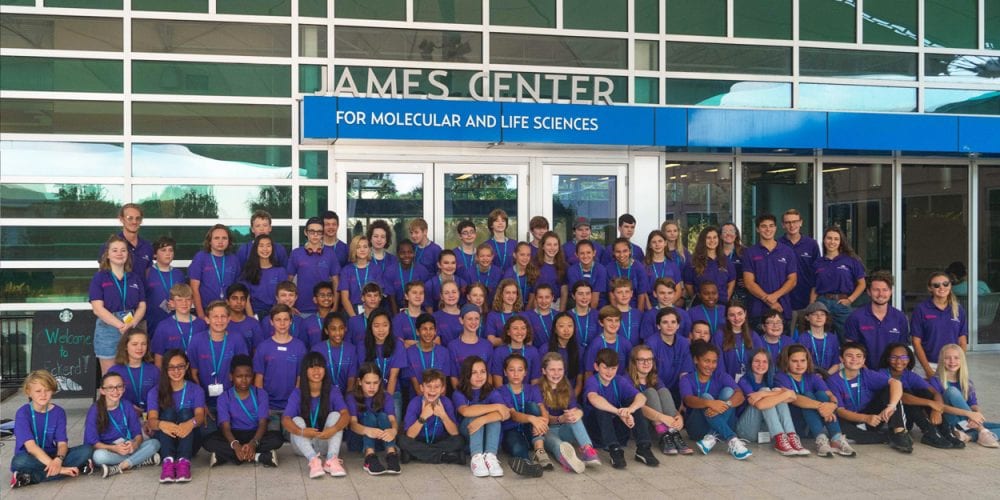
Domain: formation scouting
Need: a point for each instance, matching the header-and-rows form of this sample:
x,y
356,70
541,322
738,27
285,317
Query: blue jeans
x,y
519,441
808,422
485,440
106,338
171,447
838,314
147,449
777,419
25,462
953,397
379,421
698,424
575,433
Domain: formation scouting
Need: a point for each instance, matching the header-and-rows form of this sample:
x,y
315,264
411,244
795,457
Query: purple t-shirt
x,y
503,253
432,289
357,328
636,273
775,349
433,427
971,400
352,405
264,293
671,360
530,353
385,363
825,352
587,327
385,265
811,383
522,283
427,256
549,276
492,398
600,252
862,326
297,330
619,392
212,359
854,394
460,350
464,260
279,365
713,274
310,269
418,360
142,254
496,320
648,328
158,285
396,278
714,316
138,381
280,254
621,346
518,402
248,329
174,334
316,418
631,325
449,326
806,251
118,295
353,279
341,361
692,386
541,327
404,326
838,275
45,429
770,269
597,276
490,278
911,381
609,253
737,359
313,326
664,269
191,396
214,275
123,423
243,414
340,250
937,328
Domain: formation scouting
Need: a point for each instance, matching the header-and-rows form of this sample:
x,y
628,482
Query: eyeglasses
x,y
469,232
643,360
133,218
940,284
899,358
114,388
177,368
314,232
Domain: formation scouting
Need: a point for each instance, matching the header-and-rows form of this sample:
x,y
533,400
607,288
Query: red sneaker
x,y
783,446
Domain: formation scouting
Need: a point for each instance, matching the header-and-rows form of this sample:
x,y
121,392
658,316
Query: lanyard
x,y
423,362
357,276
676,257
628,325
522,283
340,359
656,269
772,353
127,434
855,400
137,388
413,326
34,426
467,260
315,415
419,250
180,406
614,346
697,385
383,365
185,343
614,387
122,288
541,320
253,399
170,273
514,397
430,431
798,389
819,355
403,281
741,352
217,365
714,322
587,275
220,274
380,264
586,331
479,276
619,270
501,256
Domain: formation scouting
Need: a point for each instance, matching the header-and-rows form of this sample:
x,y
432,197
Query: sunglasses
x,y
940,284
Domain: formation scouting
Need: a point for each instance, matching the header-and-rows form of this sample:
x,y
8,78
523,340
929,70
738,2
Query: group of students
x,y
445,356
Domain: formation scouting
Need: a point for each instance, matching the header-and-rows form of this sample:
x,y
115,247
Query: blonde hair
x,y
105,264
42,377
352,253
952,299
633,367
556,398
498,297
962,376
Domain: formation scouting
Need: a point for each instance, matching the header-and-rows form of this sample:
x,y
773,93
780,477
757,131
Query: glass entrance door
x,y
395,192
596,192
472,191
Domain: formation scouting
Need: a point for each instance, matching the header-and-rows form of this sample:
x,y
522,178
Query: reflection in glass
x,y
698,194
54,243
728,58
988,281
19,31
961,68
58,116
728,93
858,199
218,120
544,50
62,159
211,161
60,200
474,196
211,37
212,202
44,285
869,64
313,201
407,44
313,164
773,188
393,197
592,196
972,102
170,77
856,98
60,74
312,40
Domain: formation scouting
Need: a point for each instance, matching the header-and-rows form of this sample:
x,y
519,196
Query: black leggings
x,y
881,433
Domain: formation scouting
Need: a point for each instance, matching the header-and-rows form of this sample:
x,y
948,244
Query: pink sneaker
x,y
334,467
168,471
589,455
315,468
183,471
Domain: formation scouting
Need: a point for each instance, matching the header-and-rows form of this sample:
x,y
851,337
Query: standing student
x,y
613,411
870,398
427,251
130,217
484,271
380,236
518,271
954,382
505,306
660,265
588,269
631,318
260,225
503,247
581,232
315,418
113,430
610,319
819,339
276,360
565,344
118,298
767,406
176,411
537,227
323,295
938,321
924,406
213,268
772,337
814,409
357,326
449,317
878,324
240,324
677,250
387,352
465,252
700,330
769,272
427,353
340,355
287,295
482,411
373,417
660,409
431,432
672,354
243,436
566,434
732,248
41,449
524,433
626,229
469,343
806,252
212,352
709,264
549,266
711,396
178,331
664,295
331,228
358,274
541,317
160,278
585,317
624,266
516,339
261,274
445,271
134,363
735,342
406,271
404,322
313,263
709,310
839,275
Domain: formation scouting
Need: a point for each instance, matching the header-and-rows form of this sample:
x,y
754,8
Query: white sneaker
x,y
568,458
706,443
738,450
496,470
478,466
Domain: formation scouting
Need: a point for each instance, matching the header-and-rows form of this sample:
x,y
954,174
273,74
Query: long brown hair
x,y
121,352
165,393
633,367
700,257
105,264
535,266
378,400
729,336
556,398
102,404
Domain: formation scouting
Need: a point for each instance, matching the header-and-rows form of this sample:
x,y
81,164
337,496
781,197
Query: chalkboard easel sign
x,y
62,342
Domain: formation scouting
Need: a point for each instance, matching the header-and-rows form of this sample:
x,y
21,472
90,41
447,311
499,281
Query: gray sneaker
x,y
541,458
823,448
842,447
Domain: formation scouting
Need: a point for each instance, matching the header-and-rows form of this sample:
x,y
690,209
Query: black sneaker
x,y
87,468
667,445
935,439
266,459
953,439
392,463
373,465
645,455
682,446
452,457
20,479
617,457
901,442
525,467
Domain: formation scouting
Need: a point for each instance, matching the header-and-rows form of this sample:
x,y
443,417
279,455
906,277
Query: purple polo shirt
x,y
811,383
636,273
138,381
142,254
649,328
621,346
541,328
293,407
522,283
341,361
279,364
691,386
737,261
855,394
449,326
158,285
671,359
264,293
714,316
619,392
427,256
460,350
50,427
587,327
210,357
105,287
280,255
123,423
189,397
432,290
174,334
569,250
712,273
214,275
737,358
838,275
806,251
433,428
439,357
396,278
503,253
518,402
770,270
310,269
597,276
248,329
937,328
862,326
548,275
243,414
352,406
825,352
530,353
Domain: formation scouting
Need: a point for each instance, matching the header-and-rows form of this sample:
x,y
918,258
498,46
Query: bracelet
x,y
60,457
232,445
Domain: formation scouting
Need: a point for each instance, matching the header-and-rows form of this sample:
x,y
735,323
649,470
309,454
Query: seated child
x,y
315,418
431,433
373,417
243,414
613,411
113,430
176,411
710,396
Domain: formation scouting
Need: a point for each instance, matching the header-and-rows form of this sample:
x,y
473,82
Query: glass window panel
x,y
951,23
857,64
396,198
191,78
726,58
86,4
55,116
699,194
45,285
935,201
64,75
217,120
212,202
473,197
537,13
647,55
592,196
60,200
255,7
313,200
966,102
19,31
544,50
312,41
448,11
987,283
211,161
647,90
24,3
209,37
992,22
955,68
408,45
618,94
729,93
856,98
311,78
763,19
371,9
55,243
890,22
457,81
62,159
827,21
647,16
772,187
313,164
312,8
858,199
608,15
705,17
171,6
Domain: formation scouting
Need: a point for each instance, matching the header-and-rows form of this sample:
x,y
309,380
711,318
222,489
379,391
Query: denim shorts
x,y
106,338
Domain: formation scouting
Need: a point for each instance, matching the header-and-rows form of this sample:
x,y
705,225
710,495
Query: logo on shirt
x,y
894,330
843,268
930,316
782,260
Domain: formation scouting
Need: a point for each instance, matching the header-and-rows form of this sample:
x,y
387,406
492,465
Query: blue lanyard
x,y
220,274
479,276
217,365
170,273
253,399
403,281
185,343
34,426
627,325
522,283
614,387
855,400
467,260
795,385
818,355
619,268
541,320
315,414
357,276
502,256
586,331
741,352
383,365
340,360
136,387
772,353
589,276
697,385
423,362
430,430
127,434
413,326
656,268
676,257
514,396
122,288
380,264
180,405
714,322
614,346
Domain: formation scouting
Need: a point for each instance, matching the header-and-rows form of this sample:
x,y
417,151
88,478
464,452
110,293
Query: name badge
x,y
854,385
214,390
164,307
282,348
360,308
763,437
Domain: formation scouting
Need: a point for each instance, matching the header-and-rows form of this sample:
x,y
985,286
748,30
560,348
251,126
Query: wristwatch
x,y
729,403
422,420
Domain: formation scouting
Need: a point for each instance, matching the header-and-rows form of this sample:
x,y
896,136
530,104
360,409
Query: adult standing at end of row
x,y
130,216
